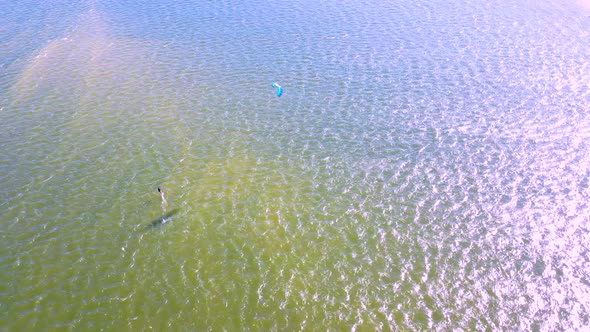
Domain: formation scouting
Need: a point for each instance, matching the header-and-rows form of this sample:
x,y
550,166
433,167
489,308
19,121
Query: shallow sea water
x,y
427,167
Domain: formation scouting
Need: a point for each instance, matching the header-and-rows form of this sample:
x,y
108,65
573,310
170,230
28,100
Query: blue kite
x,y
279,89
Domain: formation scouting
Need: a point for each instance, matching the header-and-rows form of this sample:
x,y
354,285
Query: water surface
x,y
427,167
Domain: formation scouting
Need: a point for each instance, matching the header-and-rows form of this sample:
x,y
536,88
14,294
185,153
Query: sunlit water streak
x,y
426,167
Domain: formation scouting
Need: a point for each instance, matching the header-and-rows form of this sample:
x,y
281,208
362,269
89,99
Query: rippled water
x,y
427,167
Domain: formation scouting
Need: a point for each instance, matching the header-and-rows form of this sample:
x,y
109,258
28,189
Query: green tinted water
x,y
398,183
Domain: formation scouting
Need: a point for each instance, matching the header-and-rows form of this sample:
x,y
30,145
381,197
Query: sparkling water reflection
x,y
426,168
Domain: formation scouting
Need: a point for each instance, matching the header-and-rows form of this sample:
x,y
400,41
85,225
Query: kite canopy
x,y
279,89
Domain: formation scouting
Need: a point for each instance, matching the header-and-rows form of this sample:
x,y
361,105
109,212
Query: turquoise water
x,y
427,167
